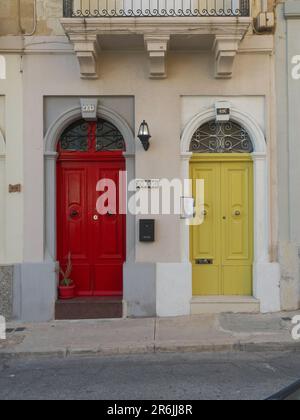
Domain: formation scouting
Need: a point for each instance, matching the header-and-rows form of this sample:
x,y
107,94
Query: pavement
x,y
201,333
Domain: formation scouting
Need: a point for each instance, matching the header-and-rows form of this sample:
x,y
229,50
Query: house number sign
x,y
89,109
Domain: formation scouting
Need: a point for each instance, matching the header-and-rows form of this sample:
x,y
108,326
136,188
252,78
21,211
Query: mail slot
x,y
204,262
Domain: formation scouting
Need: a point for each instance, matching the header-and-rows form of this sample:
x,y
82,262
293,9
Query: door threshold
x,y
224,304
108,307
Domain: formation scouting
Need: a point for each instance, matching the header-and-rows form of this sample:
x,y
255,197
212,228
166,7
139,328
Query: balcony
x,y
155,8
158,26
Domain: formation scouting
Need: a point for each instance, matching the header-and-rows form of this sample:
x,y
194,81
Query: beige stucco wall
x,y
17,17
121,73
157,101
11,213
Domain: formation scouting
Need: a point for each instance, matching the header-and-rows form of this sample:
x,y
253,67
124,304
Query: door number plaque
x,y
14,188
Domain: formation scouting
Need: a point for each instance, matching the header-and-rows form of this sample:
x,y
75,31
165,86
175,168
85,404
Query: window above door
x,y
221,137
100,136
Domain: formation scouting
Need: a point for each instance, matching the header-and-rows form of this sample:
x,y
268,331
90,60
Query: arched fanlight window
x,y
100,136
221,137
108,137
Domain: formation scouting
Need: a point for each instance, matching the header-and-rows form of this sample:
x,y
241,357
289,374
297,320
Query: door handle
x,y
237,213
95,217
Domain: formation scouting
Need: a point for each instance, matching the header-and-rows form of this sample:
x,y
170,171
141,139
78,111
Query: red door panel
x,y
109,250
97,244
73,229
108,279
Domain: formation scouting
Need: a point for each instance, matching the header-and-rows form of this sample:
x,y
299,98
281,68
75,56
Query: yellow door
x,y
222,247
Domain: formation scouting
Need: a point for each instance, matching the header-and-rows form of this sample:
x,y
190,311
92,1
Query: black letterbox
x,y
147,230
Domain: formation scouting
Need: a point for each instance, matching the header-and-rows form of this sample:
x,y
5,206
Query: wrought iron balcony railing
x,y
156,8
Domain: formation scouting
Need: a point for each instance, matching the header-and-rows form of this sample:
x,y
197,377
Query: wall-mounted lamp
x,y
144,135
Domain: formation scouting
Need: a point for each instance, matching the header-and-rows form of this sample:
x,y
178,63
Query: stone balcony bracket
x,y
225,49
85,35
87,50
157,47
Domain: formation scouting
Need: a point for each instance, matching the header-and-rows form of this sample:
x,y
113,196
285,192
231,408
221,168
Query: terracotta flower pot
x,y
66,292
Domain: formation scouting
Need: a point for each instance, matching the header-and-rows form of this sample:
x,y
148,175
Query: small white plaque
x,y
89,108
147,184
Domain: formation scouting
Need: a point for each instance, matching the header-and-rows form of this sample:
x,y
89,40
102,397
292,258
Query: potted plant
x,y
66,286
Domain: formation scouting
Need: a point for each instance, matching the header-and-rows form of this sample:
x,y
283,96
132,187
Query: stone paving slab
x,y
254,323
201,333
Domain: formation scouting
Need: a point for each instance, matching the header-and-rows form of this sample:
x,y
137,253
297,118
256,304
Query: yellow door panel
x,y
205,236
222,247
236,193
206,280
237,226
206,257
237,280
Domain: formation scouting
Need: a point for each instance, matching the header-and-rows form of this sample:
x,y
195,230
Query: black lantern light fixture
x,y
144,135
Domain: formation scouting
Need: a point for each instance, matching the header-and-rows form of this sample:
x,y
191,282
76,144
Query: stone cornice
x,y
35,45
85,35
237,26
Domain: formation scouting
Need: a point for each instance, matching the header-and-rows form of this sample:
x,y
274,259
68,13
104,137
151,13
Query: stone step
x,y
89,308
224,304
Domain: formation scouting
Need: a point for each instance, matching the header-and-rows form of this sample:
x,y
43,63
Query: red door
x,y
96,242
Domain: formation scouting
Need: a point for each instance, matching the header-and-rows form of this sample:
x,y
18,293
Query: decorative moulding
x,y
157,47
86,33
87,49
225,50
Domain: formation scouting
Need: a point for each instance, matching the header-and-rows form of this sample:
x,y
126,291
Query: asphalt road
x,y
235,376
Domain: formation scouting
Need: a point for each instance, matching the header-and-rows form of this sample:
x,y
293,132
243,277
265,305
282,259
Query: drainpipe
x,y
264,6
34,19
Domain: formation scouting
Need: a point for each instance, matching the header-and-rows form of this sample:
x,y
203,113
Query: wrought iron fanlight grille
x,y
108,137
75,137
100,136
221,137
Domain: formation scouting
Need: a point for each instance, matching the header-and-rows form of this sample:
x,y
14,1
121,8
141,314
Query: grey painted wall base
x,y
140,289
290,274
6,294
34,292
157,289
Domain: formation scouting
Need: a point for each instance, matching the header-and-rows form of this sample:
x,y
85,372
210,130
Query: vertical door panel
x,y
73,232
109,236
206,237
237,235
